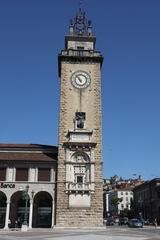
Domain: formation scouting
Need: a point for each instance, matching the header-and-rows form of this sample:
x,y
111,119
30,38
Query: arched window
x,y
80,157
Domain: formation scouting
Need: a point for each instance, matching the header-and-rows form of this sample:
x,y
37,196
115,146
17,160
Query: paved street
x,y
110,233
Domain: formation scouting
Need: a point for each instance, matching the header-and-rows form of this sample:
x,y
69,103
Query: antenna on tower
x,y
80,3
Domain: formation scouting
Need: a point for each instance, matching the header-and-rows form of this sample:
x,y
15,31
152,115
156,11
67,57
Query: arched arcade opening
x,y
3,203
17,209
42,210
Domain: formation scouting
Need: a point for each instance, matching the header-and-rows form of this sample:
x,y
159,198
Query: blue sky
x,y
128,34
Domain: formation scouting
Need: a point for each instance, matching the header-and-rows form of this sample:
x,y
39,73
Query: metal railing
x,y
80,53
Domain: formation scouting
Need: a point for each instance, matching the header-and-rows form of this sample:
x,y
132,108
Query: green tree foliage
x,y
115,201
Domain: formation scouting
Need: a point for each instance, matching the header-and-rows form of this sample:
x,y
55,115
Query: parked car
x,y
146,222
135,223
110,221
123,221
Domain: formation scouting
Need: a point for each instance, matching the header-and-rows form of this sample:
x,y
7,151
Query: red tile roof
x,y
35,146
28,152
18,156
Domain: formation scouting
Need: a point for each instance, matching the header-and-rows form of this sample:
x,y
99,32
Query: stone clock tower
x,y
79,200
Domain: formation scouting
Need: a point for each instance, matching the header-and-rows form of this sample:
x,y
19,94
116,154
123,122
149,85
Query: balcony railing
x,y
78,187
80,53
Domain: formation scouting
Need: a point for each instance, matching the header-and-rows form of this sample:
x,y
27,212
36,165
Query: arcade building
x,y
27,169
48,186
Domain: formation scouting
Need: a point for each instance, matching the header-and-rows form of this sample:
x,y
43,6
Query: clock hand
x,y
79,79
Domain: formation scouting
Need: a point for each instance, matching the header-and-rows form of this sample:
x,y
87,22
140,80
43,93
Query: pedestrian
x,y
16,224
155,223
19,222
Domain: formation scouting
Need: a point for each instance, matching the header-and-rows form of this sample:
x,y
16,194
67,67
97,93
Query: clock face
x,y
80,79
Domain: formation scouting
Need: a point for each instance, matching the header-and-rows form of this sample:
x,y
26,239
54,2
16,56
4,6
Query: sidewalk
x,y
109,233
58,229
151,227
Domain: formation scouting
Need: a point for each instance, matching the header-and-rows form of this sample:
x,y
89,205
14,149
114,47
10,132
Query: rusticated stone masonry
x,y
69,104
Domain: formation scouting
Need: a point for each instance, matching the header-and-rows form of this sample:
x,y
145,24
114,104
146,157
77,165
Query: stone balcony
x,y
80,53
79,187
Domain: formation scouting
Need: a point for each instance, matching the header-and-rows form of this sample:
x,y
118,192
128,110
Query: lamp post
x,y
140,201
26,198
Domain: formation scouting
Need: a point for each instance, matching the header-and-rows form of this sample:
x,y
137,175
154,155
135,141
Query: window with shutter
x,y
2,174
44,174
22,174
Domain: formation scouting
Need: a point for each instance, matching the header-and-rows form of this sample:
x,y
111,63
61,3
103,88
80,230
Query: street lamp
x,y
26,198
140,201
